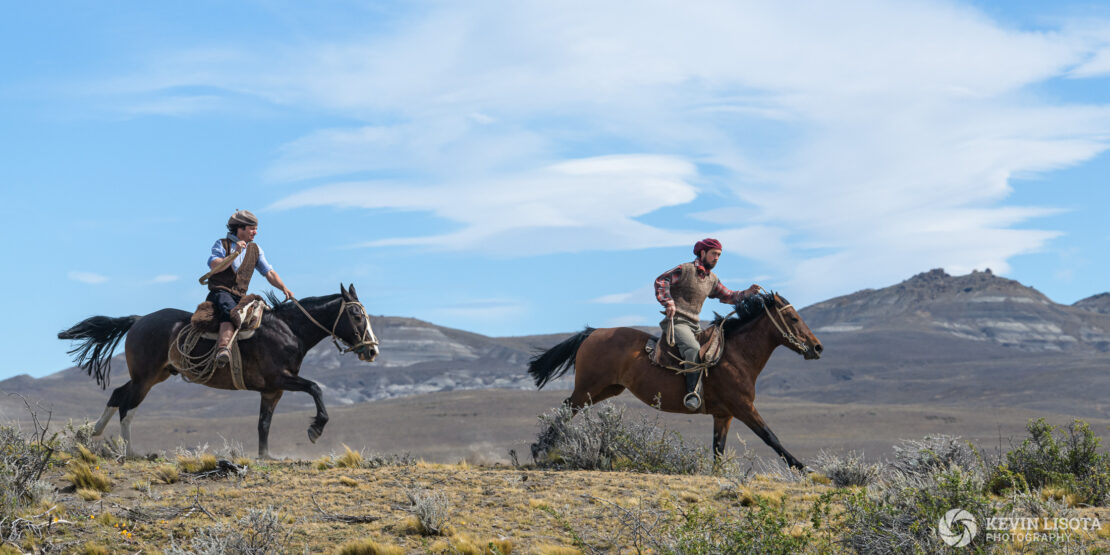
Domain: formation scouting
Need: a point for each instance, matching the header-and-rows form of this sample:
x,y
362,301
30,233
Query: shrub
x,y
846,472
901,514
260,532
601,438
22,463
934,453
761,528
193,464
432,509
1071,462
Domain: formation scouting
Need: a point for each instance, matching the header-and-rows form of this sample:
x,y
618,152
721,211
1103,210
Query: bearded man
x,y
231,277
682,291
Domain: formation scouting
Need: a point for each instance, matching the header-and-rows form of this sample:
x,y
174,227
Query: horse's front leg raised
x,y
265,414
297,383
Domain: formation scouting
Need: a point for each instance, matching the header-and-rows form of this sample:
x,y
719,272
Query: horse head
x,y
354,329
792,330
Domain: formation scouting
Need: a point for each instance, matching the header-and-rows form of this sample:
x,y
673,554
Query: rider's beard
x,y
707,263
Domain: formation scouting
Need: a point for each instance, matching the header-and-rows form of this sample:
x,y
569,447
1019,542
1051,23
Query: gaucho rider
x,y
226,287
682,291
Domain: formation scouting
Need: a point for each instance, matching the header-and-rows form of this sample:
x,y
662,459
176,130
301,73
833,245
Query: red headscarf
x,y
705,245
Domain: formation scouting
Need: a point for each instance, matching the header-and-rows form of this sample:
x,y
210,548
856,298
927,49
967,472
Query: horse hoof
x,y
313,434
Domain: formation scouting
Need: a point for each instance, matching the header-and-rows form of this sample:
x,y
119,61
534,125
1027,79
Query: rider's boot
x,y
223,354
692,400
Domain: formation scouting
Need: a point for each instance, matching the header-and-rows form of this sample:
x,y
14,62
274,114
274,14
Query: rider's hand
x,y
288,294
242,245
670,310
753,289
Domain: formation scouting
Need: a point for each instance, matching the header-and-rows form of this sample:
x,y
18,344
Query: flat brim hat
x,y
242,217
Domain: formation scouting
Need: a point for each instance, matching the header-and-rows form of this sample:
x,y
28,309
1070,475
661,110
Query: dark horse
x,y
271,359
610,360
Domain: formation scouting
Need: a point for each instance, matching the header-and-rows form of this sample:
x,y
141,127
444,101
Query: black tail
x,y
98,337
555,362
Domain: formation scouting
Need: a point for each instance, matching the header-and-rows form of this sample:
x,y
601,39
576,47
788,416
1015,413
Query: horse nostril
x,y
818,348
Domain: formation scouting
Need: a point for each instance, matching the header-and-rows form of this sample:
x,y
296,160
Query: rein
x,y
366,338
784,329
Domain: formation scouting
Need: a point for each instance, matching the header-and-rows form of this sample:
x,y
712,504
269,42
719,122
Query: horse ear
x,y
343,291
351,290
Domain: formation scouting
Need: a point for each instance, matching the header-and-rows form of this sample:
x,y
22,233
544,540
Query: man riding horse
x,y
682,291
233,261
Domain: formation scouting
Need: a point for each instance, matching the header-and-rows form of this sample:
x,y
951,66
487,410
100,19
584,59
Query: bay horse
x,y
271,359
610,360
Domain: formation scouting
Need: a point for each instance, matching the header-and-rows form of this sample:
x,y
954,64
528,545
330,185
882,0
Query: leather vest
x,y
231,281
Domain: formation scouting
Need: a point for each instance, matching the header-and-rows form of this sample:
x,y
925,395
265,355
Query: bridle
x,y
365,340
785,329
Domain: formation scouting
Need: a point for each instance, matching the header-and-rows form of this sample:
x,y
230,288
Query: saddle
x,y
664,355
198,365
245,317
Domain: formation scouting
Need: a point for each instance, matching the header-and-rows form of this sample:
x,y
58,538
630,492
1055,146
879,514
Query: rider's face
x,y
710,257
247,233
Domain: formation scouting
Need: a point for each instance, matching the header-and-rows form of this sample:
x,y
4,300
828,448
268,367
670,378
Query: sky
x,y
515,168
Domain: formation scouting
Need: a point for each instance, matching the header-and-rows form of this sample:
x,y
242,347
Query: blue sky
x,y
516,167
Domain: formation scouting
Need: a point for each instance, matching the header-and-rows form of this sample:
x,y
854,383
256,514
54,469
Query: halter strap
x,y
784,329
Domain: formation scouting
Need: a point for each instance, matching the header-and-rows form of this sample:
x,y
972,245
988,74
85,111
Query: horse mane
x,y
279,305
748,310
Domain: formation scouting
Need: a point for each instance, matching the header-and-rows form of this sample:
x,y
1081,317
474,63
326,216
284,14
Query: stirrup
x,y
692,401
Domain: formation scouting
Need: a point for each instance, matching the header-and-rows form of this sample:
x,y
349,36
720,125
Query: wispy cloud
x,y
842,149
164,278
87,277
636,296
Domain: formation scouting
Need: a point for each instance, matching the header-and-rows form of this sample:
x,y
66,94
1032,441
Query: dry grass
x,y
199,463
167,473
496,509
349,459
367,547
85,455
88,494
82,476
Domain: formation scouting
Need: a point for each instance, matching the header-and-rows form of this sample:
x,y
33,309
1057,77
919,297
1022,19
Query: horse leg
x,y
297,383
755,422
132,395
265,413
114,402
720,435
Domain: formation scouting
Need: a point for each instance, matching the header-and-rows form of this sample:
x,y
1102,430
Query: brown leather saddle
x,y
667,356
246,317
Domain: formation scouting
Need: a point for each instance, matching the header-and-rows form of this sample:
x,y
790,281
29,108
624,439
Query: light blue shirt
x,y
218,251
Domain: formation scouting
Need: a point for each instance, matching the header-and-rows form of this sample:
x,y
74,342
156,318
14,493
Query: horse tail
x,y
555,362
98,337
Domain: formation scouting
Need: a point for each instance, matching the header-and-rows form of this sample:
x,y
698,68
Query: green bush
x,y
1069,459
761,528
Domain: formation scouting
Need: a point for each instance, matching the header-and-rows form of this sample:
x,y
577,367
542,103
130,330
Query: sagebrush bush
x,y
1071,461
23,460
935,453
432,509
260,532
900,514
600,437
851,470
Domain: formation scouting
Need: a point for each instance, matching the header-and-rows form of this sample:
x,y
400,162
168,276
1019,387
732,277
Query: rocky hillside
x,y
979,306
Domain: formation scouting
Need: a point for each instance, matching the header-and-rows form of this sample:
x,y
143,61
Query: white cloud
x,y
636,296
165,278
852,143
87,277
